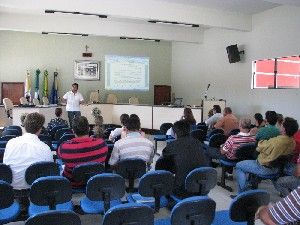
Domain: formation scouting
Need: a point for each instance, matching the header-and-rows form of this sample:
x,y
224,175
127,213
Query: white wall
x,y
20,51
275,33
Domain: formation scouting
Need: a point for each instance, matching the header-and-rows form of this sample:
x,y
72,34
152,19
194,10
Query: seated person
x,y
58,121
228,122
133,145
81,149
22,151
118,131
185,153
279,120
269,150
270,130
228,150
259,123
211,121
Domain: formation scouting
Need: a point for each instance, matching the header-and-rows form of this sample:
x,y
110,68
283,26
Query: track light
x,y
75,13
174,23
140,39
65,33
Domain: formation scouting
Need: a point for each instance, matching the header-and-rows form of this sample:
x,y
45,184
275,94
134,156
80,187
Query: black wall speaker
x,y
233,53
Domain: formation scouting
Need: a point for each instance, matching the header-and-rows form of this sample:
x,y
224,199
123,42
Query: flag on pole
x,y
45,84
37,84
27,93
53,97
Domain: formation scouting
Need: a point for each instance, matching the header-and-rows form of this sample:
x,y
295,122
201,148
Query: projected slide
x,y
126,73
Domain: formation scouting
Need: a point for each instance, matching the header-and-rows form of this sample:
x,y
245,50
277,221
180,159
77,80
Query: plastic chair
x,y
23,101
216,140
5,173
3,144
102,192
45,101
46,139
133,101
198,134
162,134
8,105
131,169
59,133
129,213
9,209
203,127
7,137
11,131
50,193
54,217
41,169
65,137
1,154
198,210
233,132
82,173
244,152
35,101
154,184
243,208
56,128
112,99
14,127
94,97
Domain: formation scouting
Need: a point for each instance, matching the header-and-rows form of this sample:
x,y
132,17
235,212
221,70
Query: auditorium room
x,y
157,112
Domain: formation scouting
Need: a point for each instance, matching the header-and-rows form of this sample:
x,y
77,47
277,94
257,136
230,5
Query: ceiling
x,y
130,17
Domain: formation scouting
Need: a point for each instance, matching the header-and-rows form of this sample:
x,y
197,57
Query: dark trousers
x,y
72,115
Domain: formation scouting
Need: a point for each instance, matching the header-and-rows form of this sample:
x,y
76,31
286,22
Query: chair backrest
x,y
56,128
3,144
203,127
1,154
233,132
165,127
41,169
214,131
5,173
216,140
23,101
7,137
7,195
94,97
244,206
198,210
50,191
105,187
54,217
45,101
112,98
8,104
35,101
201,180
133,100
59,133
65,137
11,131
14,127
82,173
156,184
246,151
47,139
199,134
131,169
129,214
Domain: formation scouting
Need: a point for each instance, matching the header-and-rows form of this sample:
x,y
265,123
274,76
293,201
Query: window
x,y
281,72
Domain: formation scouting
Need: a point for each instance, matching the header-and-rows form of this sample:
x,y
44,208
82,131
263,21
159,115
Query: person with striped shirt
x,y
133,145
285,211
81,149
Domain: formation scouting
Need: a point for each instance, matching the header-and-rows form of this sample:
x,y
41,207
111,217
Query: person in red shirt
x,y
81,149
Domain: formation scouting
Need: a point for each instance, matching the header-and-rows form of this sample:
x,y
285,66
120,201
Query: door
x,y
162,94
12,90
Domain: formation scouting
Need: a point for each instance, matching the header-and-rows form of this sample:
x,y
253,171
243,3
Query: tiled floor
x,y
218,194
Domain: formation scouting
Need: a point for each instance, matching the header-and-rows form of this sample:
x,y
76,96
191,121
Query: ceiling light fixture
x,y
140,39
64,33
75,13
174,23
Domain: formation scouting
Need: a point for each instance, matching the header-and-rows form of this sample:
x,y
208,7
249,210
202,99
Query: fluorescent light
x,y
65,33
140,39
75,13
174,23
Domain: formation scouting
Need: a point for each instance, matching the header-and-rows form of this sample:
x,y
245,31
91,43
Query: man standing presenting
x,y
73,99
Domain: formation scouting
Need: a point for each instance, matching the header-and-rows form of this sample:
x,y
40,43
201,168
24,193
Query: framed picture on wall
x,y
87,70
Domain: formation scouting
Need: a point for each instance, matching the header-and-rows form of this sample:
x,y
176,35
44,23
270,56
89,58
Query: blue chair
x,y
82,173
65,137
9,209
50,193
243,208
102,192
47,139
233,132
203,127
153,188
131,169
213,132
54,217
5,173
198,134
3,144
198,210
11,131
1,154
199,182
161,136
129,213
60,132
56,128
216,140
7,137
15,127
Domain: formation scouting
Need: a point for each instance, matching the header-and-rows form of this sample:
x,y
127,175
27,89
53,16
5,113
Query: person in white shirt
x,y
211,121
21,152
73,99
118,131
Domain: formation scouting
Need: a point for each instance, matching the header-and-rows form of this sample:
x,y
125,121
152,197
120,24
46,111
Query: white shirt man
x,y
210,122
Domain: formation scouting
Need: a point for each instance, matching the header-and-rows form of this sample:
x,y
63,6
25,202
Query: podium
x,y
208,105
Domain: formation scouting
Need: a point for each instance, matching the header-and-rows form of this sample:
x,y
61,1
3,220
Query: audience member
x,y
217,115
81,149
279,120
228,122
118,131
98,128
285,211
188,116
185,154
58,121
210,113
133,145
259,123
22,119
270,130
22,151
269,150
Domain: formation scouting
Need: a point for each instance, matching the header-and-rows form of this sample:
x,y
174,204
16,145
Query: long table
x,y
151,116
